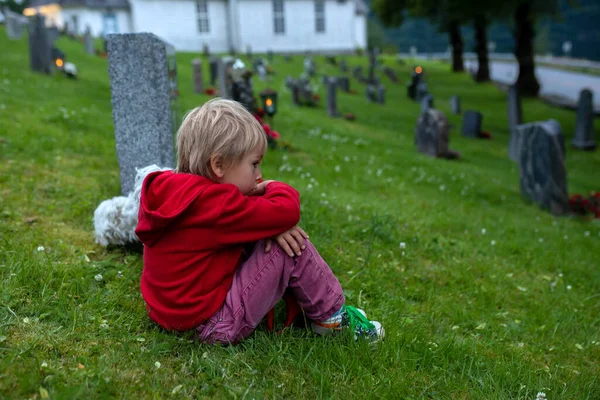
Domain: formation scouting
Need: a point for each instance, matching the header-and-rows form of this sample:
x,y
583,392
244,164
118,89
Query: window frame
x,y
278,17
202,20
320,26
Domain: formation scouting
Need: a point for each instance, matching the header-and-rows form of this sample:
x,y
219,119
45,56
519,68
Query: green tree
x,y
444,14
15,5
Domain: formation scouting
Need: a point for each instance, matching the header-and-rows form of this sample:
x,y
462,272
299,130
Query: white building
x,y
223,25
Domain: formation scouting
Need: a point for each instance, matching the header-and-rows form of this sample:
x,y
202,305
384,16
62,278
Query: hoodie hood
x,y
165,196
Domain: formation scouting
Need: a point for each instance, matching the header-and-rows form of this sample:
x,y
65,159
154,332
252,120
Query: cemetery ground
x,y
481,294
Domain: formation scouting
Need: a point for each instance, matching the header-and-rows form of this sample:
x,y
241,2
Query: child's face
x,y
246,173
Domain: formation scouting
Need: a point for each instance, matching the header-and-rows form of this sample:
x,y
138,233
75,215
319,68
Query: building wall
x,y
360,31
95,20
255,21
175,22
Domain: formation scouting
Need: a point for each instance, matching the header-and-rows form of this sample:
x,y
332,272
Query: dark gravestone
x,y
331,98
213,65
421,90
343,83
324,79
584,127
432,134
310,68
471,124
295,93
249,51
40,49
88,41
542,166
305,92
371,93
205,50
53,34
287,58
197,75
270,55
515,118
357,73
455,105
372,61
426,103
143,83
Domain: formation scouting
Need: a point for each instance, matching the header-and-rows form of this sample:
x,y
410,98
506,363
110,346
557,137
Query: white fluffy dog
x,y
115,219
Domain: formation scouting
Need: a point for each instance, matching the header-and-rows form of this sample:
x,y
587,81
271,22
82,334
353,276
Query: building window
x,y
202,16
320,15
278,21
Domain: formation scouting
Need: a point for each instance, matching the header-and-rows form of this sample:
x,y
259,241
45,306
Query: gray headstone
x,y
371,67
584,128
357,73
293,85
40,49
432,133
214,70
88,41
515,118
426,103
455,105
143,82
421,90
197,75
343,66
225,82
471,124
542,166
14,24
371,93
381,94
390,73
331,98
205,50
249,51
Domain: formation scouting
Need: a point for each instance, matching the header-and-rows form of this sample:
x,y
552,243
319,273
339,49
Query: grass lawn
x,y
482,295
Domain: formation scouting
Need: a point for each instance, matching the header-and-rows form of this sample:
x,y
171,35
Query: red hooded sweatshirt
x,y
194,231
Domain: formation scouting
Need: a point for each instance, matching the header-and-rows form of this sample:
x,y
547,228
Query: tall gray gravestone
x,y
371,93
455,105
14,24
542,166
584,127
88,41
426,103
515,118
331,98
471,124
197,74
40,49
380,94
432,134
53,34
225,82
143,83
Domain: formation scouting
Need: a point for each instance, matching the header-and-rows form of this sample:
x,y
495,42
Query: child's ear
x,y
216,165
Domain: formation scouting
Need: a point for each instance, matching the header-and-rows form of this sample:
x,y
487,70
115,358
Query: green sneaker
x,y
353,318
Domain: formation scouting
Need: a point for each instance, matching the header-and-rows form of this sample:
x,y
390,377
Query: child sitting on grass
x,y
207,228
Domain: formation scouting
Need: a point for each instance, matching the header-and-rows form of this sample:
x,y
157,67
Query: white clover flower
x,y
40,249
157,364
348,207
347,159
119,274
44,364
309,186
442,187
586,233
540,396
560,275
98,277
483,231
541,240
566,237
569,287
493,242
379,172
337,168
402,245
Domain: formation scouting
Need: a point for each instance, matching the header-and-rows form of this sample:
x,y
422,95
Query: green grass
x,y
464,318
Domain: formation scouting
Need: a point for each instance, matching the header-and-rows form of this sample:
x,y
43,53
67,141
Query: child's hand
x,y
260,188
291,241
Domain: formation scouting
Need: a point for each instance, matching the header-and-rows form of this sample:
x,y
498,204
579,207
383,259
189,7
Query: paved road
x,y
552,81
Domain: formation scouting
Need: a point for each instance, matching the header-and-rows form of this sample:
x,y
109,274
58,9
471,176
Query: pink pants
x,y
260,282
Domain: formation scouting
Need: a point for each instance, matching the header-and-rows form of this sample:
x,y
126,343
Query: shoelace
x,y
357,321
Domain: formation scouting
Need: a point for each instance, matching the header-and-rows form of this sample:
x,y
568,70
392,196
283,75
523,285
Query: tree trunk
x,y
483,72
457,47
524,34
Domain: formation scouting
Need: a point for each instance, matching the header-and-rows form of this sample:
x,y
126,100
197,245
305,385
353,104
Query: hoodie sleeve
x,y
249,218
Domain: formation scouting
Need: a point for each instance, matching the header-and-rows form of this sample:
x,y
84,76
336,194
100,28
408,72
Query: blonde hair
x,y
219,127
